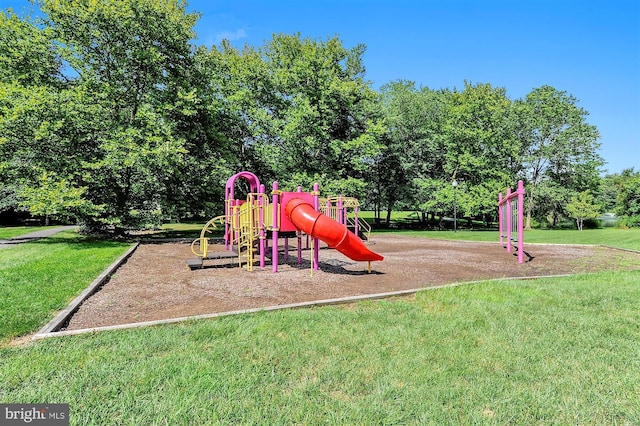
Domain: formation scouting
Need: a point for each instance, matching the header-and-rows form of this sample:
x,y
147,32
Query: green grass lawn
x,y
614,237
180,231
41,277
622,238
7,232
548,351
545,351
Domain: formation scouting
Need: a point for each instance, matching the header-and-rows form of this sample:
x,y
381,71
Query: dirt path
x,y
156,284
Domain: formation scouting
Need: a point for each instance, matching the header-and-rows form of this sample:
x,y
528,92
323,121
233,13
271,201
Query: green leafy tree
x,y
412,165
248,108
626,188
27,55
210,126
582,207
481,150
608,193
130,57
560,147
552,199
29,69
436,137
306,111
56,198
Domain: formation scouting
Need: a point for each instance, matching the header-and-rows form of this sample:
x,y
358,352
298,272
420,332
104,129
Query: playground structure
x,y
249,225
511,219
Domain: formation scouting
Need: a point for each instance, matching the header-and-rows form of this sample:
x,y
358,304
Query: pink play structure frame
x,y
277,204
511,219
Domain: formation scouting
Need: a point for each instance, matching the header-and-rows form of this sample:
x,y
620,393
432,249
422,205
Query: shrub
x,y
630,221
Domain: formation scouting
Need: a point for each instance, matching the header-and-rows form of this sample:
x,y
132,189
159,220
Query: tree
x,y
29,68
208,123
413,158
306,109
481,149
130,57
27,55
436,137
582,207
43,129
55,198
560,146
625,187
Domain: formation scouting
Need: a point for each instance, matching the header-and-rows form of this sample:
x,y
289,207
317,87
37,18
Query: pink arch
x,y
229,199
254,184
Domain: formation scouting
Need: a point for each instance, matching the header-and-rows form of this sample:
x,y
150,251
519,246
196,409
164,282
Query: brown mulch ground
x,y
155,283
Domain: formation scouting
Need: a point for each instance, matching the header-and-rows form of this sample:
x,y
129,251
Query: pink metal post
x,y
500,217
286,249
274,231
512,212
316,246
520,221
262,235
509,217
254,184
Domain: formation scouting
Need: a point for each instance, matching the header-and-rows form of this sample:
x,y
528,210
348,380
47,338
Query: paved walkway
x,y
32,236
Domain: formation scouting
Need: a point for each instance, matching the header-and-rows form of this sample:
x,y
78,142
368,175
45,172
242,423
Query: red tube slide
x,y
337,236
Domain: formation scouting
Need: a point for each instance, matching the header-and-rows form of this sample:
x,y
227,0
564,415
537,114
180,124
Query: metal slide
x,y
337,236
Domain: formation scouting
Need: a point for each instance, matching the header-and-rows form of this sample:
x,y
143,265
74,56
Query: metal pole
x,y
520,221
455,207
455,212
275,227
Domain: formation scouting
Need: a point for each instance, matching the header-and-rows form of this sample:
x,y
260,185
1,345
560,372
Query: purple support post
x,y
520,221
299,235
262,235
316,205
500,218
340,216
274,231
286,249
228,211
509,217
226,224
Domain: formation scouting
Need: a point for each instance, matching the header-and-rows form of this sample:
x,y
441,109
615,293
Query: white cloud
x,y
229,35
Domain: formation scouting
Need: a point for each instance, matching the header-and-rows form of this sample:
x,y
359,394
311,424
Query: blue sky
x,y
588,48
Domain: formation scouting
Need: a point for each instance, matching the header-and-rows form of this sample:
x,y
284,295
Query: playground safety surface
x,y
155,284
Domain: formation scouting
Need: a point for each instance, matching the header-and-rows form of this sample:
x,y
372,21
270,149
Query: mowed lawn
x,y
14,231
41,277
546,351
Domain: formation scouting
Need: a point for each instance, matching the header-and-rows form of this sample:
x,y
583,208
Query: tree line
x,y
111,115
